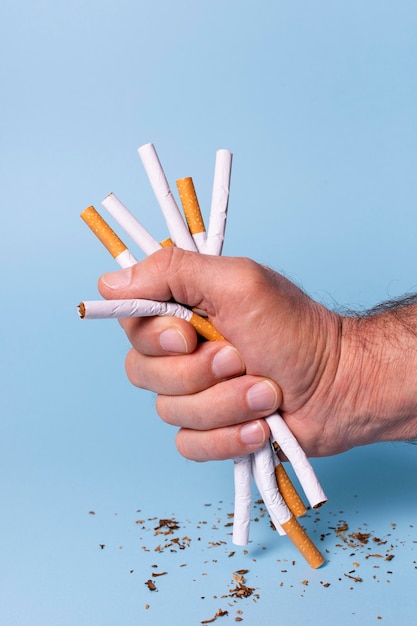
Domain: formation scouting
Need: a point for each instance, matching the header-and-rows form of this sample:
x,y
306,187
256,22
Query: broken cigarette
x,y
285,439
192,212
278,510
178,230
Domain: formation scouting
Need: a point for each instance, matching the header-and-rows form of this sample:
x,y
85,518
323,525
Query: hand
x,y
283,351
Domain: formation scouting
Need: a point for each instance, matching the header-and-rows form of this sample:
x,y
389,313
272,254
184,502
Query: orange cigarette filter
x,y
166,243
103,231
190,205
205,328
288,492
303,542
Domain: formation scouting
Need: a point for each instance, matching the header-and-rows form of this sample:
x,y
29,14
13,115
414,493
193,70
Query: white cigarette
x,y
219,202
243,500
298,459
263,467
122,309
130,224
118,309
178,230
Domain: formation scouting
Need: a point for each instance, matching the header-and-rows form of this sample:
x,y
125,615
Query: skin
x,y
338,381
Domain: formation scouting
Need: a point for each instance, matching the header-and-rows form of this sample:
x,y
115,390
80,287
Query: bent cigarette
x,y
130,224
219,202
178,230
285,439
288,491
108,237
122,309
192,211
243,500
282,518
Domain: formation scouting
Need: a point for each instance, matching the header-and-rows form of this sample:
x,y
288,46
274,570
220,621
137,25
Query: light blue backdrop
x,y
318,102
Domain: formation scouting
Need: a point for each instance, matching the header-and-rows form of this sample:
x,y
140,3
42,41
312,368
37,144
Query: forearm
x,y
378,372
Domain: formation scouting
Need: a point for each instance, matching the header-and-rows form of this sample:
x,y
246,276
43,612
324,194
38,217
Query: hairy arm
x,y
381,356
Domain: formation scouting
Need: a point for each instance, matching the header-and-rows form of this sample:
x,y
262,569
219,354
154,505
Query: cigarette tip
x,y
88,209
81,310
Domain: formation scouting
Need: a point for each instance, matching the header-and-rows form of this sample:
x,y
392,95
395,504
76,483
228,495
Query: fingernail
x,y
227,362
252,433
262,396
118,280
172,340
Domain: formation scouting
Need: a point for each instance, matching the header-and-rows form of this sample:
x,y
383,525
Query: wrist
x,y
377,374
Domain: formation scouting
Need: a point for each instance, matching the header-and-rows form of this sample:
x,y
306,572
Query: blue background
x,y
317,101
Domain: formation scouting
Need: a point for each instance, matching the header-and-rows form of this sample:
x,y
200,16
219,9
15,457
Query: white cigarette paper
x,y
125,259
130,224
243,500
219,203
298,459
178,230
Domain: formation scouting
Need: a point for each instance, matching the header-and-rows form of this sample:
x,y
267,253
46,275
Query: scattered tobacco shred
x,y
220,613
241,590
166,527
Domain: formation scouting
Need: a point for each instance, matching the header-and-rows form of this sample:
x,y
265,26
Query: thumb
x,y
190,278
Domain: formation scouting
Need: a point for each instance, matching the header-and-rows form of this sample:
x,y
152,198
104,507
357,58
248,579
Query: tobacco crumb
x,y
357,579
151,585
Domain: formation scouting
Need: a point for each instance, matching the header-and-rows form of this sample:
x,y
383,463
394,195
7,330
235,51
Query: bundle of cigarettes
x,y
277,491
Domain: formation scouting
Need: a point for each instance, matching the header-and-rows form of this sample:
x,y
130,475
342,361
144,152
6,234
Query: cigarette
x,y
285,439
288,491
219,202
130,224
122,309
178,230
279,512
243,500
108,237
192,211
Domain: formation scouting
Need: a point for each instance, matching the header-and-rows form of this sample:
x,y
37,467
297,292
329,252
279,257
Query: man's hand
x,y
283,351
